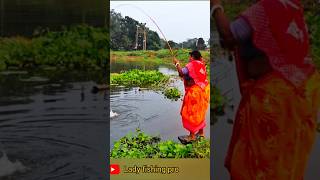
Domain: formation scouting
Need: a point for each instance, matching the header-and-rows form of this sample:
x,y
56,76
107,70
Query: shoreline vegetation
x,y
76,47
160,56
142,145
157,57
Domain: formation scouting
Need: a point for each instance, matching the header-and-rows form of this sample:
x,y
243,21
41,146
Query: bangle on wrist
x,y
214,8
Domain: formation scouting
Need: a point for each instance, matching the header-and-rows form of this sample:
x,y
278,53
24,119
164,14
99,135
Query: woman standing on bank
x,y
197,96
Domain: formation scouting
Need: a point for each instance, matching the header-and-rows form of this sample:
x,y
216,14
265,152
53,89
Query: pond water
x,y
225,79
52,126
147,109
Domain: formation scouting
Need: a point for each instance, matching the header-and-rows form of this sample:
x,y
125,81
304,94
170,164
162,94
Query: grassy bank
x,y
80,47
160,57
163,56
141,145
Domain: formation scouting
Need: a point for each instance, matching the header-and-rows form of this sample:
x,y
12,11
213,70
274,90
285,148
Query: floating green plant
x,y
172,93
217,102
141,145
76,47
139,78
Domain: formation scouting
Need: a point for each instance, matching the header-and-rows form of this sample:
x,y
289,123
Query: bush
x,y
142,145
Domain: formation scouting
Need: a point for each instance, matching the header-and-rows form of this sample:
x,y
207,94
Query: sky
x,y
178,20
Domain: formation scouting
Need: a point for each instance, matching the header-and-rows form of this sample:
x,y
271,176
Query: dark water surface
x,y
52,126
147,109
225,79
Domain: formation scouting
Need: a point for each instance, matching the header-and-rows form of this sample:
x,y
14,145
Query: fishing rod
x,y
141,10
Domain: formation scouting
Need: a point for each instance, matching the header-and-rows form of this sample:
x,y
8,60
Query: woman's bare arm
x,y
179,69
223,26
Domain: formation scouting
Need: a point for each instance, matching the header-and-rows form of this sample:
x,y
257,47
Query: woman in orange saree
x,y
275,124
197,96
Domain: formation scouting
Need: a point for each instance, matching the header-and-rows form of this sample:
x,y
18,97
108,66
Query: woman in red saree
x,y
275,125
197,96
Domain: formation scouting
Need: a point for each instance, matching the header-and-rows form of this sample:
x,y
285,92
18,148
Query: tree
x,y
190,43
116,34
172,44
123,33
153,41
201,44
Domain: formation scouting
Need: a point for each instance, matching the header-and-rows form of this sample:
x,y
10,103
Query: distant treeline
x,y
123,36
22,17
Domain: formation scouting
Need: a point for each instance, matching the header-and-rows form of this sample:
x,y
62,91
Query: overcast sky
x,y
178,20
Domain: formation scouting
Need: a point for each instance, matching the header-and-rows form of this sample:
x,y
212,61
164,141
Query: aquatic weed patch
x,y
142,145
139,78
172,93
81,47
218,102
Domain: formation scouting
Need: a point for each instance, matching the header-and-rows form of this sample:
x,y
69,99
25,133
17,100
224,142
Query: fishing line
x,y
141,10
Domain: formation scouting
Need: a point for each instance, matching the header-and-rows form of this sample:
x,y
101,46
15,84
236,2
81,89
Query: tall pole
x,y
144,39
137,34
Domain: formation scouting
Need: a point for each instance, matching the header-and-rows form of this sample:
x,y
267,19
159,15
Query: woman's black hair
x,y
195,54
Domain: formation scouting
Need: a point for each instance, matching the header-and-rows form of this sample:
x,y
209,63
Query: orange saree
x,y
197,97
275,125
194,108
274,131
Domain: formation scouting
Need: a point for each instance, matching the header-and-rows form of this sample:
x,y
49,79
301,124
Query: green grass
x,y
139,78
80,47
141,145
162,56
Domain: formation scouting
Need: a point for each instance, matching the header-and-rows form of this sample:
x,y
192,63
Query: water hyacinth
x,y
139,78
80,47
172,93
141,145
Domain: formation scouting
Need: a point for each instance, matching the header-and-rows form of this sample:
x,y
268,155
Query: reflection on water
x,y
147,109
225,78
53,125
